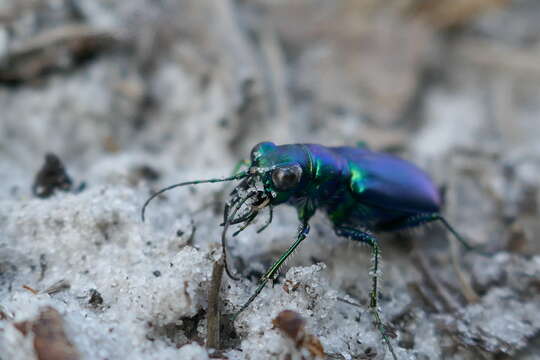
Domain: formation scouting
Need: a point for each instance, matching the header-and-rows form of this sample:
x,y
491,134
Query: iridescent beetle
x,y
361,191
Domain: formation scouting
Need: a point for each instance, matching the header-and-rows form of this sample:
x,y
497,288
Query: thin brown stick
x,y
422,264
32,290
213,320
61,35
424,296
466,288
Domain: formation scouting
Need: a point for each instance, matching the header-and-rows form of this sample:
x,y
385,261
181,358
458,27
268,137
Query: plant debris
x,y
51,177
50,340
293,325
213,321
96,300
50,49
57,287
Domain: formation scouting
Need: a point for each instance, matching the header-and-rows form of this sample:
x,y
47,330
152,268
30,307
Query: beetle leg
x,y
369,239
243,218
269,221
302,233
304,230
415,220
455,233
237,205
247,223
406,222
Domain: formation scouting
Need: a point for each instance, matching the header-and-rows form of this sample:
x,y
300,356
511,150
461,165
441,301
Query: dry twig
x,y
448,13
422,264
213,320
48,50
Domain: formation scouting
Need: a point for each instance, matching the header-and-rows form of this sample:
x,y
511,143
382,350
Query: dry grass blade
x,y
448,300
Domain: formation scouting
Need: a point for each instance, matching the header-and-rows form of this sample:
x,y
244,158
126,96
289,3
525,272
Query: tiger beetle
x,y
362,192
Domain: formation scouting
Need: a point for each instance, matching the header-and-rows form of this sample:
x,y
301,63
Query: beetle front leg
x,y
358,235
270,274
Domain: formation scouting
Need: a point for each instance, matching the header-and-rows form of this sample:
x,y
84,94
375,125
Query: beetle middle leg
x,y
358,235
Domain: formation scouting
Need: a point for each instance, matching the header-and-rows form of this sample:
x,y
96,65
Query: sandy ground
x,y
133,96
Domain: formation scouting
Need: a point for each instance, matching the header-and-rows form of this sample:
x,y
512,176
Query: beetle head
x,y
276,173
281,170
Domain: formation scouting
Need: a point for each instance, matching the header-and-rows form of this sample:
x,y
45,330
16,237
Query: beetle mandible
x,y
362,192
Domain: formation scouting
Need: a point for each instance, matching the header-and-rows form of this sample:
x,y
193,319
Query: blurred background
x,y
451,85
123,91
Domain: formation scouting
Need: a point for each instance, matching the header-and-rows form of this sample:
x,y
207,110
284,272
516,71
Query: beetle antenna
x,y
238,176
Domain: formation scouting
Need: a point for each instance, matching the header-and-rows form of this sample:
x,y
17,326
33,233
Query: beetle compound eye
x,y
285,178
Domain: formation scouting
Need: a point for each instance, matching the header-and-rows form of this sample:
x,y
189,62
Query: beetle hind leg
x,y
457,235
406,222
358,235
420,219
369,239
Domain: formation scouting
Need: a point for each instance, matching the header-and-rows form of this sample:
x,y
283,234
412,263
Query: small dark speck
x,y
51,177
171,265
157,273
224,123
179,233
95,298
148,243
149,173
